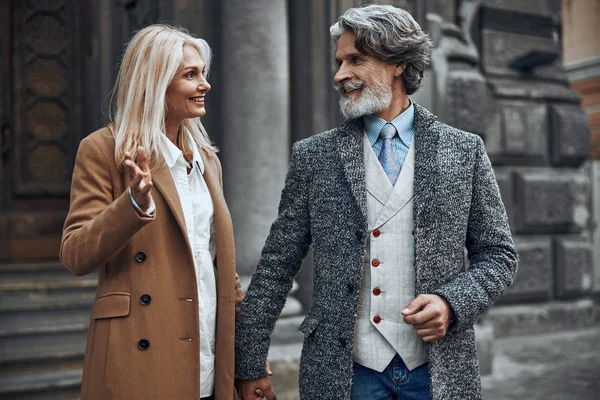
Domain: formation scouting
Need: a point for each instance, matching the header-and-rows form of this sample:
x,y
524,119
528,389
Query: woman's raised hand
x,y
141,178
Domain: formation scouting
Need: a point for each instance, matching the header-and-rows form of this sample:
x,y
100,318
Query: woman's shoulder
x,y
102,139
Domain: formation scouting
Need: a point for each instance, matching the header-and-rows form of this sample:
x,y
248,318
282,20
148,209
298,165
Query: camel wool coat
x,y
143,339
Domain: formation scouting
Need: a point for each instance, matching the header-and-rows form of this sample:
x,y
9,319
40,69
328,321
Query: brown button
x,y
375,263
376,291
376,232
377,319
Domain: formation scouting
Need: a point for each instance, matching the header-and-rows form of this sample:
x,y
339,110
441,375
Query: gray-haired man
x,y
388,200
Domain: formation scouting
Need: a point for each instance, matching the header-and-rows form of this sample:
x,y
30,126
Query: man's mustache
x,y
346,87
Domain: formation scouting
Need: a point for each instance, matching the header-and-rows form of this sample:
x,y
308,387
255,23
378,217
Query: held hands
x,y
141,178
429,314
253,389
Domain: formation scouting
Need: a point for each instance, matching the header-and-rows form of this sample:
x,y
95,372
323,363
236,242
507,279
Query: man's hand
x,y
254,389
141,178
430,316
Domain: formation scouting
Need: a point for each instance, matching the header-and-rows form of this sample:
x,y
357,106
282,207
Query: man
x,y
388,200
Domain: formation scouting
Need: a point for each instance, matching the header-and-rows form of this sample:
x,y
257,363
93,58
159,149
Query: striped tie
x,y
389,159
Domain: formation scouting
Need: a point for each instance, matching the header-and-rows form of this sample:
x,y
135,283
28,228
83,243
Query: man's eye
x,y
354,60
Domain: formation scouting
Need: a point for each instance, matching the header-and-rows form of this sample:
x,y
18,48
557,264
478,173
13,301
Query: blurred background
x,y
525,75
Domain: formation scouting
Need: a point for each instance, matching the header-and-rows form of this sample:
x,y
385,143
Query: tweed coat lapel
x,y
351,153
426,163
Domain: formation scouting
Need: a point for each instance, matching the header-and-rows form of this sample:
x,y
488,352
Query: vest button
x,y
376,291
377,319
375,263
143,344
376,232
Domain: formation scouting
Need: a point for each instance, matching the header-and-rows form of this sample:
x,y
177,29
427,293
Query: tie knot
x,y
388,131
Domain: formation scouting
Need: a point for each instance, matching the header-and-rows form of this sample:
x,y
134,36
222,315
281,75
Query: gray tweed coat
x,y
456,205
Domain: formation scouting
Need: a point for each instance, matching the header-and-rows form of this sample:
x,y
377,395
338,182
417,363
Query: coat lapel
x,y
426,147
166,186
350,146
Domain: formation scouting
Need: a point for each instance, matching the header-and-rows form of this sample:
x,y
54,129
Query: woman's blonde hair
x,y
149,64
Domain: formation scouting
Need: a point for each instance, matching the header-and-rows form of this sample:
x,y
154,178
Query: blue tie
x,y
389,159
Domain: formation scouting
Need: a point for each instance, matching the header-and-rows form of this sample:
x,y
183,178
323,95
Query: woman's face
x,y
186,92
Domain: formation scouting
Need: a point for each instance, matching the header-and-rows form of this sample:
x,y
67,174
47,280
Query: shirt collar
x,y
172,154
404,124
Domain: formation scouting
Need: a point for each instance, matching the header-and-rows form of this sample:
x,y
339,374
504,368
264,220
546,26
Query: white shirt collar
x,y
172,154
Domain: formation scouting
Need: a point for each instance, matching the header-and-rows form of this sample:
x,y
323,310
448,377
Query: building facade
x,y
496,71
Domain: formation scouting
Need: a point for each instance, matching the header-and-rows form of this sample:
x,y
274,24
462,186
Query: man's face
x,y
363,82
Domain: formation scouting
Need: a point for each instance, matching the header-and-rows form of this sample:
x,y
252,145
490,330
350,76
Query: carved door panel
x,y
42,115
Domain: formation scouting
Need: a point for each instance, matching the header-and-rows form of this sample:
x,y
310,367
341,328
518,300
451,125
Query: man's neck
x,y
396,108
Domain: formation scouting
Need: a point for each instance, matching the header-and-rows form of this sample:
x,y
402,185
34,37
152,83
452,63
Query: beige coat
x,y
147,283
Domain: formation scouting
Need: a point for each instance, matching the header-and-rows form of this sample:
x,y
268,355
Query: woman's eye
x,y
190,74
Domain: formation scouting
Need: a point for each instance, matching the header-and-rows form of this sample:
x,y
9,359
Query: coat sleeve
x,y
97,225
492,255
285,248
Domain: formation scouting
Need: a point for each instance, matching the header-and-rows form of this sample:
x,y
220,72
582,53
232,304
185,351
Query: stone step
x,y
48,381
39,266
42,347
45,321
555,316
11,302
44,275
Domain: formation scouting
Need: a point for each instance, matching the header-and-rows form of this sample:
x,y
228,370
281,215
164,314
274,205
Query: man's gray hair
x,y
390,34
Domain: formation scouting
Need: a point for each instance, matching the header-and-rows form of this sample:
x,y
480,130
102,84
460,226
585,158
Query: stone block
x,y
466,100
544,8
570,135
551,201
504,179
573,266
533,281
516,132
500,49
484,338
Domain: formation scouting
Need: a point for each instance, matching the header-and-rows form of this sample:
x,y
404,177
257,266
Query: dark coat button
x,y
359,235
343,342
350,288
143,344
140,257
413,232
145,299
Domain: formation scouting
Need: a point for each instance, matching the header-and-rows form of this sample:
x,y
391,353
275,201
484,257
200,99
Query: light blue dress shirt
x,y
404,124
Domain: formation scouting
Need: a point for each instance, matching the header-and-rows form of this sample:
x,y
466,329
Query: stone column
x,y
255,138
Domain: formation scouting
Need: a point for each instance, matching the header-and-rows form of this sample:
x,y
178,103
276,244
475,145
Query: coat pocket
x,y
111,305
309,324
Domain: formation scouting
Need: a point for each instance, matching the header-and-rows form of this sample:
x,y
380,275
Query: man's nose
x,y
342,75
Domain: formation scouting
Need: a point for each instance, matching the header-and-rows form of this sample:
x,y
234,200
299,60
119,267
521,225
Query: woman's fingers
x,y
141,159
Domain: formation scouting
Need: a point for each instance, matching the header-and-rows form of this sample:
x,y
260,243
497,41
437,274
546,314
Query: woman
x,y
148,213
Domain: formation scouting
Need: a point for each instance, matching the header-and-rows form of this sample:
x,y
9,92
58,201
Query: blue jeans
x,y
395,382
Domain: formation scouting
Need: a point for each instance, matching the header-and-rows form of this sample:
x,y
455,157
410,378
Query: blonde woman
x,y
148,214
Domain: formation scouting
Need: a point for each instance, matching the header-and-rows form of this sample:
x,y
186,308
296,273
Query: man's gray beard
x,y
372,100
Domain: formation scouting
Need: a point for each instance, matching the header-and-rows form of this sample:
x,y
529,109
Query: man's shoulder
x,y
323,140
450,135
